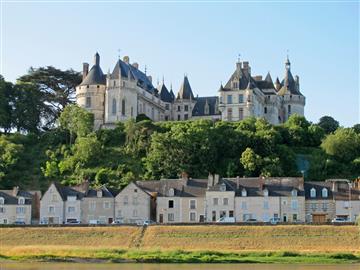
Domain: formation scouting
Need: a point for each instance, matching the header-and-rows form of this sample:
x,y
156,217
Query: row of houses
x,y
186,200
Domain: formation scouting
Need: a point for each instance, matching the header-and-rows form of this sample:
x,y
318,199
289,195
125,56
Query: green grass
x,y
179,256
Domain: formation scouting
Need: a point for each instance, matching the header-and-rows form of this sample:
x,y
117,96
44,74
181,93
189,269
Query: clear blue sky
x,y
200,39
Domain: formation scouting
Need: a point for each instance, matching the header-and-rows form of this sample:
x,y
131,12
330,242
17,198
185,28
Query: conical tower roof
x,y
185,91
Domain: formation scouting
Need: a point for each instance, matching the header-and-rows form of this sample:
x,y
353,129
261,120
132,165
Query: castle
x,y
128,92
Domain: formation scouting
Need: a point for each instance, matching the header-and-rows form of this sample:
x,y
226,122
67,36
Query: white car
x,y
94,222
148,222
117,221
226,220
339,220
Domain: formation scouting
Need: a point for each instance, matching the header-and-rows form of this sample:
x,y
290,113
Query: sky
x,y
200,39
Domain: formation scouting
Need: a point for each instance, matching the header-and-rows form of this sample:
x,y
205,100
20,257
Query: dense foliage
x,y
69,151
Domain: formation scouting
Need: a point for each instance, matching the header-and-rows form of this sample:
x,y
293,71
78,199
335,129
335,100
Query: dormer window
x,y
266,192
243,192
235,85
71,198
2,200
171,192
222,187
312,193
21,200
294,193
324,193
99,193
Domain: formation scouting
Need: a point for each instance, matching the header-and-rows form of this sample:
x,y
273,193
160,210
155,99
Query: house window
x,y
313,206
192,216
235,85
2,210
324,193
88,102
243,192
294,193
215,201
266,205
241,113
135,190
294,204
229,99
231,213
241,98
346,204
225,201
71,209
106,205
186,116
113,108
171,217
186,108
123,107
171,204
2,200
135,213
294,217
92,205
229,114
266,193
171,192
324,206
20,210
265,110
222,214
312,193
126,200
21,200
213,216
51,209
192,204
243,205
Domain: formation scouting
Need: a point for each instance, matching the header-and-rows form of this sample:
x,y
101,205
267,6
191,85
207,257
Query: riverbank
x,y
184,244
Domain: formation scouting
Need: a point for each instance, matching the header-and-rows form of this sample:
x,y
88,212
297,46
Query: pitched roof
x,y
65,191
201,102
9,199
185,91
318,186
165,94
288,84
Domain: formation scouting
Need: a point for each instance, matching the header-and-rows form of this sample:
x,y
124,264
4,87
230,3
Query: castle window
x,y
235,85
265,110
87,86
166,106
229,99
114,83
88,102
241,98
152,114
241,113
186,108
132,111
123,107
113,109
186,116
229,114
179,108
166,118
178,117
289,109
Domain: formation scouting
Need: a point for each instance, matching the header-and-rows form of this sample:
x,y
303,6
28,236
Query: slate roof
x,y
65,191
95,75
185,91
9,199
199,108
240,77
129,71
105,193
165,95
318,187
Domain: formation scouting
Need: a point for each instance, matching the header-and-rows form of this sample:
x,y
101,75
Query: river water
x,y
129,266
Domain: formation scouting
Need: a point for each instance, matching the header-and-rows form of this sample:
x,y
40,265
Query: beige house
x,y
134,204
15,207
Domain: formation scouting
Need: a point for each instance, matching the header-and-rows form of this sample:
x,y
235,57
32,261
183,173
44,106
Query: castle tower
x,y
293,101
90,94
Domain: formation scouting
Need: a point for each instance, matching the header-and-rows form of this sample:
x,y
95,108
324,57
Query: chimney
x,y
257,78
210,180
85,70
261,183
15,191
97,59
135,65
237,182
126,59
83,186
216,179
334,187
238,65
150,78
184,177
246,69
301,183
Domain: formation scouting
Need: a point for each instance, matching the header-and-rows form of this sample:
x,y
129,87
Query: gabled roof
x,y
201,102
238,76
165,94
9,199
104,191
65,191
185,91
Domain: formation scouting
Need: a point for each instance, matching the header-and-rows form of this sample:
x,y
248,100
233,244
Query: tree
x,y
57,89
77,121
6,104
250,161
343,144
328,124
356,128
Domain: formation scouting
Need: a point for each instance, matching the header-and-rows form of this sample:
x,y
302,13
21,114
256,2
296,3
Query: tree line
x,y
45,137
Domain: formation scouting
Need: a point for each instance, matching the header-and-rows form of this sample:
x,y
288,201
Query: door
x,y
110,220
284,218
161,218
319,218
201,219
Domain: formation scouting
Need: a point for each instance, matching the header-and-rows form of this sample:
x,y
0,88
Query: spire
x,y
185,91
268,78
287,63
97,59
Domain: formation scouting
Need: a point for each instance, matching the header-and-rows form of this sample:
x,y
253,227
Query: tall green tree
x,y
6,105
328,124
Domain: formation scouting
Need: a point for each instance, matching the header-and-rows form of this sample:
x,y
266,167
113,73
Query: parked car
x,y
19,222
339,220
94,222
274,220
226,220
117,221
252,220
148,222
72,221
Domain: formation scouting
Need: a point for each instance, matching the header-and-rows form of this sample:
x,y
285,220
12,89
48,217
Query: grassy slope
x,y
286,244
